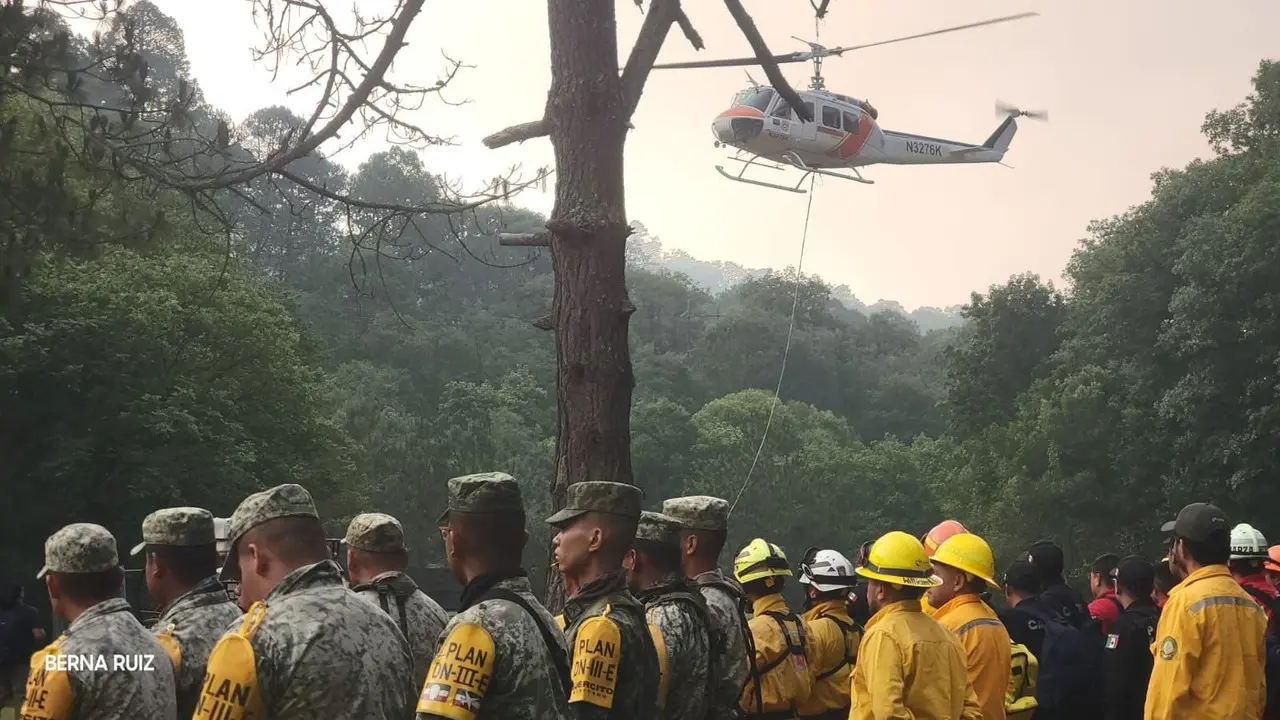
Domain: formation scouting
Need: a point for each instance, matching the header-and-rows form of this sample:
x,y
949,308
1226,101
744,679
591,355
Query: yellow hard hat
x,y
759,560
968,553
899,559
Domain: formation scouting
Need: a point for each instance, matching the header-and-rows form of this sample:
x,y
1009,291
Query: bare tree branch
x,y
653,32
518,133
538,239
761,50
686,26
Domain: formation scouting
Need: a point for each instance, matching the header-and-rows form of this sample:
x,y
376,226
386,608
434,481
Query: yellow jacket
x,y
986,644
832,651
909,666
779,658
1209,651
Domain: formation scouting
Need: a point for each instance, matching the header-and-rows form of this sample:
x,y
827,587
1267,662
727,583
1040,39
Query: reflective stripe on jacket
x,y
1209,654
986,644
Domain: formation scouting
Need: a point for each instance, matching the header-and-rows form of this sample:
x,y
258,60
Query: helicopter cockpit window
x,y
831,117
850,122
758,98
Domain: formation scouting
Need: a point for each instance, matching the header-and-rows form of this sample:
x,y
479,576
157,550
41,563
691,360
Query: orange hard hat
x,y
1273,559
940,533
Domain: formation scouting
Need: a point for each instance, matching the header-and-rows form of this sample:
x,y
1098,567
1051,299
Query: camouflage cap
x,y
281,501
658,528
177,526
375,532
603,497
79,548
698,512
487,493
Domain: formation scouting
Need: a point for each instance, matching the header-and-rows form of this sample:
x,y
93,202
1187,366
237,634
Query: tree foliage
x,y
156,350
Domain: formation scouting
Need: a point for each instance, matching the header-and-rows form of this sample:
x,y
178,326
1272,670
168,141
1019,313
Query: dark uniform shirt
x,y
1025,623
1067,602
1127,660
613,665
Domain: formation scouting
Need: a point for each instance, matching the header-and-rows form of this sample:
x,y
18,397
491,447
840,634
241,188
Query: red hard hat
x,y
940,533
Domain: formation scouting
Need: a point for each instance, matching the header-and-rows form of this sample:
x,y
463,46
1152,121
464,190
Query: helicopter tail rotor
x,y
1004,109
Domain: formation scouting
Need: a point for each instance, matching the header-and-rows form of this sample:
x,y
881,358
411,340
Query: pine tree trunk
x,y
590,310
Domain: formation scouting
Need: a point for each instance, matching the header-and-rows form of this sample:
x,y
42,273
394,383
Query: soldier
x,y
182,576
307,646
376,559
678,620
614,666
501,656
704,523
106,665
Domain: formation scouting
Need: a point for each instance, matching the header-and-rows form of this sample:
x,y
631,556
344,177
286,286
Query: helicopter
x,y
844,134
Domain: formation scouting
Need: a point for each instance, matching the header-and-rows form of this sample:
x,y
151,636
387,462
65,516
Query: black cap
x,y
1048,559
1197,522
1023,576
1136,575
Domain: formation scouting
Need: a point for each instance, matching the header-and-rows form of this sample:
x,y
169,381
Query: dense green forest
x,y
148,357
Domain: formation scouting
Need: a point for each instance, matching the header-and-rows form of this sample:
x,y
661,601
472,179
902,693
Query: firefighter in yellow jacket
x,y
932,540
1209,649
779,679
966,566
833,635
908,664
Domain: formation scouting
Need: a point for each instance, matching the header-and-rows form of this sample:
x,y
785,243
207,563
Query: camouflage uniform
x,y
499,658
193,623
613,660
418,616
311,648
681,630
726,602
129,676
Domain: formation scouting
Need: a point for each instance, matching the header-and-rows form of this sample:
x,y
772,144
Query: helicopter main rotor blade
x,y
843,50
735,62
821,52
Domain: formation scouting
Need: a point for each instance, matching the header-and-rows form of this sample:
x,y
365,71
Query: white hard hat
x,y
1247,543
830,566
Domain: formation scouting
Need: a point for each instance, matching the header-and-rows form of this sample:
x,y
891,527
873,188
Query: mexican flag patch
x,y
1113,641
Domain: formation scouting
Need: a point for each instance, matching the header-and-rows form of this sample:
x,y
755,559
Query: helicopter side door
x,y
829,127
784,125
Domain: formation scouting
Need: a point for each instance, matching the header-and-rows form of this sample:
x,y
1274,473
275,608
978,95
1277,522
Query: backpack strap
x,y
846,629
558,657
401,587
793,648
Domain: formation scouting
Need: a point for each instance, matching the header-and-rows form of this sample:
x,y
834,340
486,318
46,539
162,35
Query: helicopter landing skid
x,y
791,160
795,160
748,163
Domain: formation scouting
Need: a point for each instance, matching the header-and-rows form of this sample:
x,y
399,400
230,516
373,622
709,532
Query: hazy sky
x,y
1127,85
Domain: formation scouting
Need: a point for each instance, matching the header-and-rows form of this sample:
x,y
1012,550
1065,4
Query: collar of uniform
x,y
665,585
902,606
102,609
325,572
828,608
1108,593
956,603
769,603
606,584
207,591
391,575
712,574
1204,573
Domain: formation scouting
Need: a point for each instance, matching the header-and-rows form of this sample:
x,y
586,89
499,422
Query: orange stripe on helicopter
x,y
741,111
854,142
